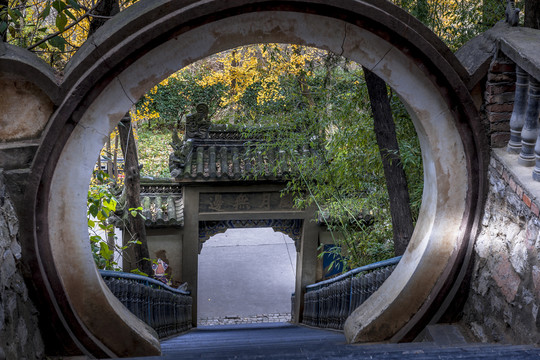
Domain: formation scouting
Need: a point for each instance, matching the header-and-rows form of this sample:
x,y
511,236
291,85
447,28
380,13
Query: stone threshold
x,y
518,178
243,319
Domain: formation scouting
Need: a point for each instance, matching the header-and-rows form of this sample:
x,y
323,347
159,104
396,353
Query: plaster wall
x,y
444,196
443,152
31,118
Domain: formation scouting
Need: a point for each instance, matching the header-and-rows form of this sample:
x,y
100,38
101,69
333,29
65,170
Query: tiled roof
x,y
163,204
211,152
223,153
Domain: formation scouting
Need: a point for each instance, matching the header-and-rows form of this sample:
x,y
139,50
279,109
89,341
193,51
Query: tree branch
x,y
81,18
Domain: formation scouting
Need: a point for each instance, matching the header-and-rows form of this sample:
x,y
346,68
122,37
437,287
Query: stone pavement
x,y
246,272
287,341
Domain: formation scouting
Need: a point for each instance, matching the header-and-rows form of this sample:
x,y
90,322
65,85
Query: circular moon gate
x,y
152,39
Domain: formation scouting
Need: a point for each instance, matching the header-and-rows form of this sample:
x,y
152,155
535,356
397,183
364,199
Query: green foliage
x,y
154,151
328,138
457,21
343,175
101,205
177,96
54,29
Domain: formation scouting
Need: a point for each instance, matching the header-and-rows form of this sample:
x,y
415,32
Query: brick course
x,y
499,99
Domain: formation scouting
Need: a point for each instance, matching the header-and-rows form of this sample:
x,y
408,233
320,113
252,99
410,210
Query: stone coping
x,y
518,177
522,45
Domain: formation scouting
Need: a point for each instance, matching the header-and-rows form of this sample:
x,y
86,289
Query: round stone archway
x,y
149,41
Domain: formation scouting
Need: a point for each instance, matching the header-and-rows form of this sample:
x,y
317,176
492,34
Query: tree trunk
x,y
104,10
134,227
532,14
396,182
135,224
304,86
421,11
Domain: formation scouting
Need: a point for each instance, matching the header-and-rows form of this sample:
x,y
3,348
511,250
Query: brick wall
x,y
499,99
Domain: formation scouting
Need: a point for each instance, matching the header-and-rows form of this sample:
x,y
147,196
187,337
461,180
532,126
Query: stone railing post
x,y
533,111
518,115
529,134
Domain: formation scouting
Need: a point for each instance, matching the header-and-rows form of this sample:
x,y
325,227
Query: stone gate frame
x,y
149,41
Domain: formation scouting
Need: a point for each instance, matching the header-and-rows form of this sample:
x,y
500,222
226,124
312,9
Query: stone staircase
x,y
286,341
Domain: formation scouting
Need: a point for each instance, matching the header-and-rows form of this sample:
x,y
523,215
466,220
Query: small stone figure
x,y
197,124
179,158
512,13
159,268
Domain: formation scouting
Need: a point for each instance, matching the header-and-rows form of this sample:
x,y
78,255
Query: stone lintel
x,y
251,215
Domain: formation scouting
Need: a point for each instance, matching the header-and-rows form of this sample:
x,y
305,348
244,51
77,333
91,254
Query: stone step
x,y
442,334
286,341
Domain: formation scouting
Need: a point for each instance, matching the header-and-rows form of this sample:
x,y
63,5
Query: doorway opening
x,y
246,276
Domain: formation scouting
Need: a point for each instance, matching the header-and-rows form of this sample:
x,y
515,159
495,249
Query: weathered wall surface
x,y
504,298
19,333
32,117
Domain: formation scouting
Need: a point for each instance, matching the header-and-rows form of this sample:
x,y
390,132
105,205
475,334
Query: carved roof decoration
x,y
224,153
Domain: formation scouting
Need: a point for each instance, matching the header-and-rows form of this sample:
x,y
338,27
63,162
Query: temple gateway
x,y
223,180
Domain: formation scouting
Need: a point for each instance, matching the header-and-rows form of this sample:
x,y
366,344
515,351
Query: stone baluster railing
x,y
166,310
529,133
524,126
327,304
524,121
518,115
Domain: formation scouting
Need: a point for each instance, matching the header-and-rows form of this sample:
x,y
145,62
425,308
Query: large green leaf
x,y
58,42
61,21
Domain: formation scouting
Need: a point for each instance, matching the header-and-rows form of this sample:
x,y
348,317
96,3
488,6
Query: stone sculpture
x,y
512,13
197,124
181,153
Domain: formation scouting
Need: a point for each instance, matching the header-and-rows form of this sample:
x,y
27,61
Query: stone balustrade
x,y
166,310
524,134
327,304
513,92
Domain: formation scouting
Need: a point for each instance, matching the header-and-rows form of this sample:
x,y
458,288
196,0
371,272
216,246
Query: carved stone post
x,y
518,115
190,246
529,133
534,108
